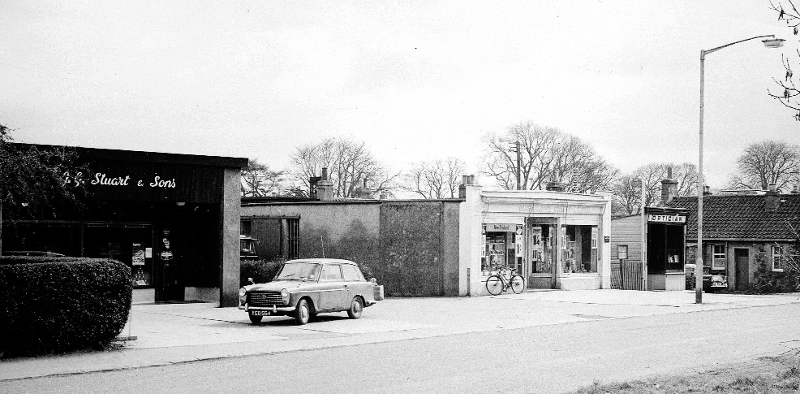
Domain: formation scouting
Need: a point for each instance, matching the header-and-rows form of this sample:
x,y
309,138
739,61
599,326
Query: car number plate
x,y
260,313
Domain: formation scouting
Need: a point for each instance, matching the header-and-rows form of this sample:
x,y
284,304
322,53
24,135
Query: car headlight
x,y
285,296
242,292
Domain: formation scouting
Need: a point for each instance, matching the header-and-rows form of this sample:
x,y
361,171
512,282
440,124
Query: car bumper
x,y
273,308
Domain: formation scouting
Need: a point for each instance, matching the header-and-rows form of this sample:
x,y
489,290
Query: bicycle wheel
x,y
494,285
517,284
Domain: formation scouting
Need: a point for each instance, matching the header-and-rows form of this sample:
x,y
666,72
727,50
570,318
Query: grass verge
x,y
767,375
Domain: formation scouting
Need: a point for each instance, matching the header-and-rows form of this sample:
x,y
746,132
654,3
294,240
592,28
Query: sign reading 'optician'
x,y
666,218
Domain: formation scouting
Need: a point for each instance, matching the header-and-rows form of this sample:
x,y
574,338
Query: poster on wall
x,y
137,255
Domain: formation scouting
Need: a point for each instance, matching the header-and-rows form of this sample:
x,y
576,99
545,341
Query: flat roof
x,y
150,157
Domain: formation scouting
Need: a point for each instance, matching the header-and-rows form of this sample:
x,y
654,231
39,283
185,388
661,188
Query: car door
x,y
355,283
332,293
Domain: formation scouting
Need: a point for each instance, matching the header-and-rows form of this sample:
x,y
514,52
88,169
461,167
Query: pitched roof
x,y
743,217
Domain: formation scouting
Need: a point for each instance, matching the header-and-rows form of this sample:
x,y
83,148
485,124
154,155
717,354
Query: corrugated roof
x,y
743,217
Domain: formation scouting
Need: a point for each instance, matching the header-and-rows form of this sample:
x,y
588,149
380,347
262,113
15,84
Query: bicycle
x,y
497,283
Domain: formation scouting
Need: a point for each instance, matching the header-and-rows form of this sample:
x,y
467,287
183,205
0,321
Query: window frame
x,y
779,256
718,256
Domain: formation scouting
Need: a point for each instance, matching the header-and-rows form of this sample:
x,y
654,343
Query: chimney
x,y
771,198
556,186
669,188
466,180
324,186
363,191
312,186
707,190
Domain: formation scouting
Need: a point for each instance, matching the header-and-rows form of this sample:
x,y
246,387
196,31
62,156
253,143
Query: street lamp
x,y
770,42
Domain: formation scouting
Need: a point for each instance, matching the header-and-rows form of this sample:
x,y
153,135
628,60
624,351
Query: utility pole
x,y
515,148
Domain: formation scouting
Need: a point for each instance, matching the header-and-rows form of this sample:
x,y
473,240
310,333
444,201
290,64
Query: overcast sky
x,y
415,80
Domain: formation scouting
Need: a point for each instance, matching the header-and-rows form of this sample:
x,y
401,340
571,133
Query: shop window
x,y
500,248
777,258
719,258
579,249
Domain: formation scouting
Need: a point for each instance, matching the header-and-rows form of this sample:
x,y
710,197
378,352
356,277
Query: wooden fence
x,y
627,275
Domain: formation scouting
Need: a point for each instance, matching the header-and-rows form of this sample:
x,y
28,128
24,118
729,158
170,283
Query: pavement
x,y
164,334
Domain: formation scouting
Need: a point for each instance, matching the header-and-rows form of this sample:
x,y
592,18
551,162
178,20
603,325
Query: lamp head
x,y
773,42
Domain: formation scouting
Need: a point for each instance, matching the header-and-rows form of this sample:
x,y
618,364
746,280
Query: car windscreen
x,y
299,271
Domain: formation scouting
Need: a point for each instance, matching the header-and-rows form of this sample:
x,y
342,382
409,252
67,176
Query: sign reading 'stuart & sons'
x,y
104,179
101,178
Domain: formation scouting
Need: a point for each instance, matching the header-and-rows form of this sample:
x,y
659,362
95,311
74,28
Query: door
x,y
333,293
170,285
742,262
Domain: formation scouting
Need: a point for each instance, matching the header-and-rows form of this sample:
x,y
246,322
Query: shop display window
x,y
579,249
128,243
499,251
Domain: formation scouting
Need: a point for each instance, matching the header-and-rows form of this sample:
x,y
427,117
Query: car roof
x,y
321,261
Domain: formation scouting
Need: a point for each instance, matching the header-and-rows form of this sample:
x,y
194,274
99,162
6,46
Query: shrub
x,y
260,270
58,304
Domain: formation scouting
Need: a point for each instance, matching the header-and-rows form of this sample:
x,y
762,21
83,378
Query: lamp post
x,y
770,42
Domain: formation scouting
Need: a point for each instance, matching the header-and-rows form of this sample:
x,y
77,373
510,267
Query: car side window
x,y
351,273
331,272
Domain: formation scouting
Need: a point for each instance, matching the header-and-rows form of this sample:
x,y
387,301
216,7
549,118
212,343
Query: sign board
x,y
501,227
622,252
666,218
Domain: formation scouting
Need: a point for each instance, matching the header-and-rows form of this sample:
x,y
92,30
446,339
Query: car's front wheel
x,y
303,312
255,319
356,308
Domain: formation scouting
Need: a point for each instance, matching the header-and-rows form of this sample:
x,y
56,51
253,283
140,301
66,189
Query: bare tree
x,y
435,179
259,181
628,188
767,162
787,92
627,195
350,167
546,155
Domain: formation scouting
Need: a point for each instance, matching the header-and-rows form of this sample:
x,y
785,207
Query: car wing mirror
x,y
251,281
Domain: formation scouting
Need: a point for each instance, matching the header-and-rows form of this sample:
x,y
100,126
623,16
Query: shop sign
x,y
501,227
104,179
666,218
166,255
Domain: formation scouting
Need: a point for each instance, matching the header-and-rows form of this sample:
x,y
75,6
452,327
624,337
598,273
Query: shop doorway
x,y
170,285
742,262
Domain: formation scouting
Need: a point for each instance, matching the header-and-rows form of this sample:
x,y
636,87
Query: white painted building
x,y
553,239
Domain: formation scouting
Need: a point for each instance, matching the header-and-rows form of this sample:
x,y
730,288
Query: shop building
x,y
663,232
659,264
173,218
554,239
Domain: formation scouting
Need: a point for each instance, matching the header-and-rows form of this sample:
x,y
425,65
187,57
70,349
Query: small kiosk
x,y
665,237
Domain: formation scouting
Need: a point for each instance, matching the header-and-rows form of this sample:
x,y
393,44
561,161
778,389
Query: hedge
x,y
261,271
60,304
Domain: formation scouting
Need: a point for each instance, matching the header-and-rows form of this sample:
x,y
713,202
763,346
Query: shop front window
x,y
499,247
579,249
